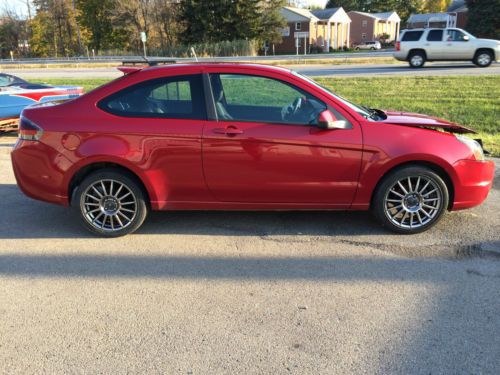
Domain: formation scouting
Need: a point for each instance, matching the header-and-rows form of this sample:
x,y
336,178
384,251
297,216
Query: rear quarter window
x,y
412,36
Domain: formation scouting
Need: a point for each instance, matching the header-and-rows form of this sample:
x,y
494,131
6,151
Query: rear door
x,y
434,45
265,147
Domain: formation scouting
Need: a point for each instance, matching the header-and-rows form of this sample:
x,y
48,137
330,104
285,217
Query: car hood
x,y
488,41
424,121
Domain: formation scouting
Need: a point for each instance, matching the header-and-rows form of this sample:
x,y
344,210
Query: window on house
x,y
363,36
298,26
365,23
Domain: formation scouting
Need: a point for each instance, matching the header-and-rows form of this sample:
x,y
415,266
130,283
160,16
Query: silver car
x,y
420,45
368,45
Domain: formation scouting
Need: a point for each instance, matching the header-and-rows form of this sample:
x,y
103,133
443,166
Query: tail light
x,y
29,131
398,46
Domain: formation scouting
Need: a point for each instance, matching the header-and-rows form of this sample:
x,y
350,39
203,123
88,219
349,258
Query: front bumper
x,y
39,171
474,182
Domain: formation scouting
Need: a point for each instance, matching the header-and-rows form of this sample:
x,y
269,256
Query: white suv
x,y
420,45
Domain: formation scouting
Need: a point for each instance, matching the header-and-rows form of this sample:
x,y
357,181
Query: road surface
x,y
247,293
352,70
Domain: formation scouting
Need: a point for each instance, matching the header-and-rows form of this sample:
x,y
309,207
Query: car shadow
x,y
22,217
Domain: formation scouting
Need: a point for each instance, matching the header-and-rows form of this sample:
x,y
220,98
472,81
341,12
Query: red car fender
x,y
145,178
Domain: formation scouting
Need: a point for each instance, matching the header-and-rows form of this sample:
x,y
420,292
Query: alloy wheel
x,y
413,202
484,59
109,205
417,60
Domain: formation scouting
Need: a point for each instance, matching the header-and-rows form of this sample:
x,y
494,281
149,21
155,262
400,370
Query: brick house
x,y
372,26
459,7
320,28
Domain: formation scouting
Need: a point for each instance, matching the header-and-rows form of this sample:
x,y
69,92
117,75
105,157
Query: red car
x,y
241,137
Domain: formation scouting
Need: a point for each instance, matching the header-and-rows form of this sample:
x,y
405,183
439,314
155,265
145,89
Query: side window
x,y
364,23
454,36
435,36
259,99
412,36
298,26
172,97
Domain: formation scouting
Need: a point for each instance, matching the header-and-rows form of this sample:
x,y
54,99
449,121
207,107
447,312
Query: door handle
x,y
229,131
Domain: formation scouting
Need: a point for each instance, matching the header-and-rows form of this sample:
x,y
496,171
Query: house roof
x,y
457,6
332,15
297,14
324,14
385,16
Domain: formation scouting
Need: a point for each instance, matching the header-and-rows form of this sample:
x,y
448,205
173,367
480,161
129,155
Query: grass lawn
x,y
473,101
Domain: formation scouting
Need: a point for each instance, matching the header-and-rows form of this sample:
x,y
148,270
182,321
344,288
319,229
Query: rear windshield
x,y
412,36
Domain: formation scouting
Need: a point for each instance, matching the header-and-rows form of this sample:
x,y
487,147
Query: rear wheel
x,y
416,59
483,58
110,203
410,200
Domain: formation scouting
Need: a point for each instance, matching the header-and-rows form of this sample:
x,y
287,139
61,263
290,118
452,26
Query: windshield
x,y
359,109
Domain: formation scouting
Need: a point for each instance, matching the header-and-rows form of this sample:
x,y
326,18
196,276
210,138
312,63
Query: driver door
x,y
263,149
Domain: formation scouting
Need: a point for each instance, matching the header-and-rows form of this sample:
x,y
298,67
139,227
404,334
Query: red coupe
x,y
241,137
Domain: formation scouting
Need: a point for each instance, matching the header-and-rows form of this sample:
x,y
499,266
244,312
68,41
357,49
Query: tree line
x,y
91,27
87,27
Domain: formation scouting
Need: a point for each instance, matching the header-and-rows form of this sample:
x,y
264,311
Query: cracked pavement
x,y
243,292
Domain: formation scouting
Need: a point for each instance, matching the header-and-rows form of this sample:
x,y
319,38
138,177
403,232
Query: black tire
x,y
410,219
483,58
357,48
417,59
373,48
119,215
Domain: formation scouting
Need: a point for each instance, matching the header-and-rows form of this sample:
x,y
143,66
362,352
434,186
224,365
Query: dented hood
x,y
424,121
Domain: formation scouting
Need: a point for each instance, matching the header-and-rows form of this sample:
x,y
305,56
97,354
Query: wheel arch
x,y
440,171
488,49
413,50
92,167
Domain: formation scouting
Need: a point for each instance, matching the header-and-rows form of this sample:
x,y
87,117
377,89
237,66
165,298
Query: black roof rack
x,y
149,62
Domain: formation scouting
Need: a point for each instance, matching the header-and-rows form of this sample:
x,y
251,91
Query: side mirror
x,y
465,38
327,120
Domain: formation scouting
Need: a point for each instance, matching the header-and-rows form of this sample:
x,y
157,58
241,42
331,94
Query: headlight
x,y
473,145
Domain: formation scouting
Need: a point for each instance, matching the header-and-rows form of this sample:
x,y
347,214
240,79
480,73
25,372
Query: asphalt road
x,y
212,292
351,70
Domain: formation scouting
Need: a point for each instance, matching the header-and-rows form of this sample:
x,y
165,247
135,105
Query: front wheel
x,y
110,203
410,200
483,58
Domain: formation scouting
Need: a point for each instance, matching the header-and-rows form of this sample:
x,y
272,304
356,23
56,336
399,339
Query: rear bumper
x,y
474,182
39,171
400,55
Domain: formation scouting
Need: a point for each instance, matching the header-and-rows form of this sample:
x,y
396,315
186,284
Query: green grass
x,y
473,101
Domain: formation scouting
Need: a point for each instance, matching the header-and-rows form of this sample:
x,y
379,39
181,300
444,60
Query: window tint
x,y
260,99
454,36
412,36
171,97
435,36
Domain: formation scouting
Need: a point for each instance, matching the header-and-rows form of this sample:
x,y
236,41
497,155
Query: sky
x,y
21,9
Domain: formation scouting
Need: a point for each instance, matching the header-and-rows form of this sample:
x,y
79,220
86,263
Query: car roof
x,y
269,68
